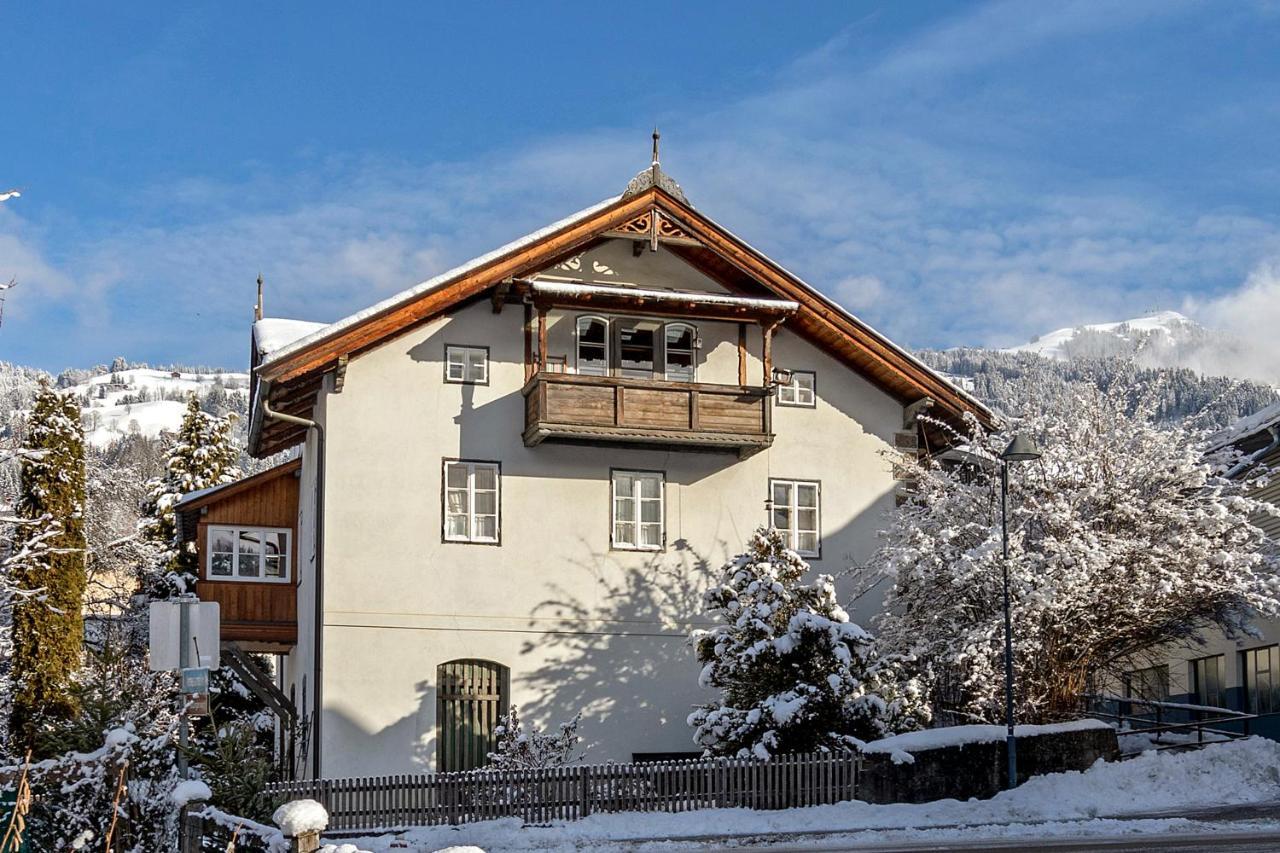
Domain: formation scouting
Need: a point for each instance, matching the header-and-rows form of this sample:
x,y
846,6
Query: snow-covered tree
x,y
203,454
115,760
521,748
795,675
1124,537
48,567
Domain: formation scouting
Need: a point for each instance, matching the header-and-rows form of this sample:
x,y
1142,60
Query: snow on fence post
x,y
302,821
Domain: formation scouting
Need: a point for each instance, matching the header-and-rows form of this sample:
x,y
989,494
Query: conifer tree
x,y
794,673
49,572
203,454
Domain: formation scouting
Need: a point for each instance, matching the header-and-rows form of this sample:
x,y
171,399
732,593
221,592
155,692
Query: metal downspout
x,y
317,652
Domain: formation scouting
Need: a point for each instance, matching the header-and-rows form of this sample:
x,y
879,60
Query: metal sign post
x,y
185,637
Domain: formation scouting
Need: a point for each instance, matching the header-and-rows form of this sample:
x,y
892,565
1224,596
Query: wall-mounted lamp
x,y
781,376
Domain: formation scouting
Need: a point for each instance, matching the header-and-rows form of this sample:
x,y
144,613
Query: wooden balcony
x,y
616,410
261,617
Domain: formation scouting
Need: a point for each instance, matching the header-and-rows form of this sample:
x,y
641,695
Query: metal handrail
x,y
1210,716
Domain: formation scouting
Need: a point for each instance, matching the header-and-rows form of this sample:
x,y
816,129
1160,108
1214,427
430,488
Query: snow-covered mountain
x,y
1157,335
126,400
146,401
1161,339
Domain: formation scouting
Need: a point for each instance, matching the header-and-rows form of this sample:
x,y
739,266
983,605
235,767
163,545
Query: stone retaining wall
x,y
978,769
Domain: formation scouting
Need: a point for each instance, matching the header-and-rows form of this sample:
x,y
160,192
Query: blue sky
x,y
955,173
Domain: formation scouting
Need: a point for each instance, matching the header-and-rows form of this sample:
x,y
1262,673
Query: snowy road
x,y
1244,842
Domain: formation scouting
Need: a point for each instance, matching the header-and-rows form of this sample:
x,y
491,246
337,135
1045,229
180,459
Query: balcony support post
x,y
528,341
767,352
742,353
542,339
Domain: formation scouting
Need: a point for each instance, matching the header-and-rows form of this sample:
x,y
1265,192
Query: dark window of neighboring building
x,y
1151,683
1206,681
1260,674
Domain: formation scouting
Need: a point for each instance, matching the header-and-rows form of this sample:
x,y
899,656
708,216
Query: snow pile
x,y
192,790
299,816
344,848
1240,772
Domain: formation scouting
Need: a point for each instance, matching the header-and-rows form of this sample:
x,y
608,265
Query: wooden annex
x,y
259,615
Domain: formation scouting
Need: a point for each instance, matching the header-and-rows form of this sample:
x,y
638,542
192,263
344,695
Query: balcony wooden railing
x,y
619,410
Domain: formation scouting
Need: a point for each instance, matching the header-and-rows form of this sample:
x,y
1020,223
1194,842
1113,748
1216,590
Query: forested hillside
x,y
1176,393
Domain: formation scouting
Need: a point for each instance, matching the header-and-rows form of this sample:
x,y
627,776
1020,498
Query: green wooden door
x,y
471,696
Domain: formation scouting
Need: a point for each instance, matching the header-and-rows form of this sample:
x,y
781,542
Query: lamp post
x,y
1021,449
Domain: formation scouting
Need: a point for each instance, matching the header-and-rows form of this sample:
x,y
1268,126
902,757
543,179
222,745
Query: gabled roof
x,y
187,509
653,209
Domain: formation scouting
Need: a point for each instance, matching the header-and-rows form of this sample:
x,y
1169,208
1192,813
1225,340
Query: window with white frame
x,y
795,512
593,346
471,501
679,343
248,553
468,365
800,391
637,510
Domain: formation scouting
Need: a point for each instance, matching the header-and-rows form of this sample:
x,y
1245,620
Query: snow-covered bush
x,y
795,675
126,725
1124,537
521,748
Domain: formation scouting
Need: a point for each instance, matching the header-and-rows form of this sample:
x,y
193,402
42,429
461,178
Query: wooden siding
x,y
607,409
258,615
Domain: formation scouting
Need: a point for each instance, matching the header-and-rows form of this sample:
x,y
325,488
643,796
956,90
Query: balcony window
x,y
678,350
801,391
795,512
466,365
471,502
637,343
637,510
248,554
593,346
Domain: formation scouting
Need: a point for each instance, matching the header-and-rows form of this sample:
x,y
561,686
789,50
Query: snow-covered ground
x,y
1061,804
109,414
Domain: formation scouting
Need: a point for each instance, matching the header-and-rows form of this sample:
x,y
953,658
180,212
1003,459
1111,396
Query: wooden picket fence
x,y
538,796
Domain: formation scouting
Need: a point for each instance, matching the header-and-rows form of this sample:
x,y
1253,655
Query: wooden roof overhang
x,y
291,378
546,295
188,509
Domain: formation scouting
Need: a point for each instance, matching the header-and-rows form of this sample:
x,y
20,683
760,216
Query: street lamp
x,y
1021,449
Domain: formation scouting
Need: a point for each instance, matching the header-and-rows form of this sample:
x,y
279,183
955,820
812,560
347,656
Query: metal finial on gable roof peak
x,y
655,177
257,309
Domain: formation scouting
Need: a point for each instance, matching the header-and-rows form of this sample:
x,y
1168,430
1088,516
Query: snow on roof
x,y
444,278
1267,416
273,333
574,288
336,328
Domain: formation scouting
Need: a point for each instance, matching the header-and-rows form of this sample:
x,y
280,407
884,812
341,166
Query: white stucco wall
x,y
582,628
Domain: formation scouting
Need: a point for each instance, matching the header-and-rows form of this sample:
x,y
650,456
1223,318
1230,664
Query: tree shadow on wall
x,y
619,653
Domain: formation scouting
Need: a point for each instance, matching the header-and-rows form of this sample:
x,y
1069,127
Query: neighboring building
x,y
1241,674
517,478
